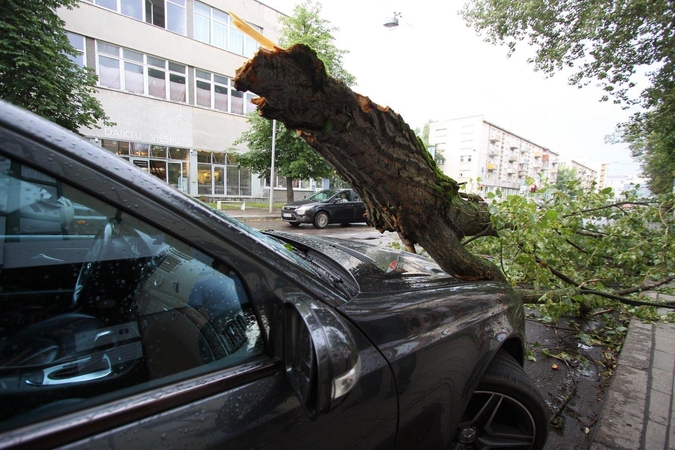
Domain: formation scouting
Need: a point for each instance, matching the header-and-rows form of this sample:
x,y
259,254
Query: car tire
x,y
320,220
505,411
294,224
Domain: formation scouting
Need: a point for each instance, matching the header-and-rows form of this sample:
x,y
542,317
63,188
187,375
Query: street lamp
x,y
392,22
274,143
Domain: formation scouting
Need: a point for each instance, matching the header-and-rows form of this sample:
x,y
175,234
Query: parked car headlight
x,y
302,210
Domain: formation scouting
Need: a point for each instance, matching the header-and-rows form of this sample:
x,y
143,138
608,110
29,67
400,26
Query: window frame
x,y
149,5
213,80
170,69
218,370
82,51
233,35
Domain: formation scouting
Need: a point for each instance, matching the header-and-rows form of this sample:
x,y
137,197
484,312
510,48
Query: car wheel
x,y
321,220
505,411
294,224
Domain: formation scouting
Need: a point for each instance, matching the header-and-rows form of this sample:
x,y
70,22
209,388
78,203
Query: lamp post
x,y
274,142
392,22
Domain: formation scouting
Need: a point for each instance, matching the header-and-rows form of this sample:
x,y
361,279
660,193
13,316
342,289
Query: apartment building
x,y
587,175
489,158
165,72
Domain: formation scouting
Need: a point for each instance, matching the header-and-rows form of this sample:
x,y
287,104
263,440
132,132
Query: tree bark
x,y
376,152
289,190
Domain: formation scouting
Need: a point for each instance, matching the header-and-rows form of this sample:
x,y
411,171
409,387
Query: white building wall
x,y
488,158
148,120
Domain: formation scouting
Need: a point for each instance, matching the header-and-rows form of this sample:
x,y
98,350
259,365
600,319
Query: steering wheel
x,y
114,241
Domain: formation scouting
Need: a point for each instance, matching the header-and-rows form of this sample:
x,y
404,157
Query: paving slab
x,y
639,411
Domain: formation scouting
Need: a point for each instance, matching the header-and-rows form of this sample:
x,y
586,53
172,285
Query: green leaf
x,y
551,214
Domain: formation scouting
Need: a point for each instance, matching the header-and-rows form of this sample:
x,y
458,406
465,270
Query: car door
x,y
359,208
166,332
342,207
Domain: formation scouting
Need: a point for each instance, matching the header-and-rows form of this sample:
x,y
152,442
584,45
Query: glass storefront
x,y
217,173
170,164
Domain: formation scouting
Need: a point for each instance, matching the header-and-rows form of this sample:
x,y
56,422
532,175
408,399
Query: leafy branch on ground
x,y
573,250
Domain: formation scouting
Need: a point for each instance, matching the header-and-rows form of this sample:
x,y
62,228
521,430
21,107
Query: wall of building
x,y
489,158
146,120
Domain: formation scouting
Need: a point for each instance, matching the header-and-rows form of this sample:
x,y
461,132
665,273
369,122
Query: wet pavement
x,y
639,412
570,376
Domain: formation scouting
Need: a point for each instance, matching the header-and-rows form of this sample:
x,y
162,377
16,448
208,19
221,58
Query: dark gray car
x,y
328,206
172,325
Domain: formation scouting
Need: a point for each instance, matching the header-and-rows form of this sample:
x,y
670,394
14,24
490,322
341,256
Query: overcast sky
x,y
433,67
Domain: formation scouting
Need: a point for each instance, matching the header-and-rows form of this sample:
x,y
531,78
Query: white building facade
x,y
165,71
585,174
489,158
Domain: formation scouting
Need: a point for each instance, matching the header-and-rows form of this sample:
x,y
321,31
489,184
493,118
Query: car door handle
x,y
45,257
77,371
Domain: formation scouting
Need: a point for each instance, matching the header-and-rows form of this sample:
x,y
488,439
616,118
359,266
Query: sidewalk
x,y
254,214
639,412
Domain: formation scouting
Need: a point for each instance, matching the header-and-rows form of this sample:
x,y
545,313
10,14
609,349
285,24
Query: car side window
x,y
355,197
96,302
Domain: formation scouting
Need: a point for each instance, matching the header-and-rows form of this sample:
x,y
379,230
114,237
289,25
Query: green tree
x,y
567,181
651,137
609,42
36,70
423,134
307,27
294,159
575,253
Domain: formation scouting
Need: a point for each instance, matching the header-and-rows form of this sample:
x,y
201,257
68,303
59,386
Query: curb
x,y
639,411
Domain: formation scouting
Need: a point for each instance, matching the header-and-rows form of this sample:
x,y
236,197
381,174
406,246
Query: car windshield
x,y
322,195
272,243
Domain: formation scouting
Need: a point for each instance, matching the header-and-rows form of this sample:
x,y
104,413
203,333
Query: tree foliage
x,y
294,159
613,43
307,27
36,70
567,181
570,251
423,134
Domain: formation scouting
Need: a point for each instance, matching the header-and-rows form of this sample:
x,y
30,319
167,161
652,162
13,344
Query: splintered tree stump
x,y
376,152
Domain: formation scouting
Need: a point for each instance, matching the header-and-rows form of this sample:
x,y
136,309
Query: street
x,y
355,231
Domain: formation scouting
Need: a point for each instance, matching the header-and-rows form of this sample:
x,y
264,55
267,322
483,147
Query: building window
x,y
77,42
214,27
218,92
132,8
168,14
109,65
121,68
219,174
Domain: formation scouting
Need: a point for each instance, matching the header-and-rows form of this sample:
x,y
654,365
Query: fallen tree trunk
x,y
376,152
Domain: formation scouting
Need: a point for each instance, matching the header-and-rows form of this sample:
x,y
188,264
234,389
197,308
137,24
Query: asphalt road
x,y
355,231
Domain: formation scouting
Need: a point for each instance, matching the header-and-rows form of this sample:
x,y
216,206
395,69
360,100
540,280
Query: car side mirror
x,y
321,357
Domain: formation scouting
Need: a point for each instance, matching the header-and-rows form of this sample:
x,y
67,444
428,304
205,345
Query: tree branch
x,y
645,286
373,150
613,205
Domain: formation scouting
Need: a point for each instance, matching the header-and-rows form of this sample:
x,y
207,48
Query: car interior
x,y
94,300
